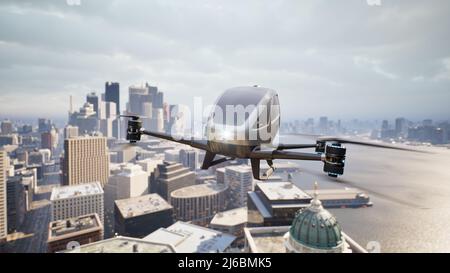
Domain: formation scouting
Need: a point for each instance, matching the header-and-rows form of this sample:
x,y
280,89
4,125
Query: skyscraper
x,y
3,209
7,127
112,94
86,160
70,131
93,99
240,180
189,158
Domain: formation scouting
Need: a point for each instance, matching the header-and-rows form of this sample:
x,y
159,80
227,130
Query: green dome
x,y
316,227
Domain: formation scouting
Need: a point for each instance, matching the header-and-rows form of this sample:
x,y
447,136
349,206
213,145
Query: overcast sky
x,y
344,59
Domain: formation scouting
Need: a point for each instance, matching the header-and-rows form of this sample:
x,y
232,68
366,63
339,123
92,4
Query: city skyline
x,y
395,62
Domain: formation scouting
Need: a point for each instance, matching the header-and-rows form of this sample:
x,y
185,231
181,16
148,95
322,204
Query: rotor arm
x,y
295,146
277,154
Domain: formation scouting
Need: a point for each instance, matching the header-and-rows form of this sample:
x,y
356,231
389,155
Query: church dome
x,y
316,228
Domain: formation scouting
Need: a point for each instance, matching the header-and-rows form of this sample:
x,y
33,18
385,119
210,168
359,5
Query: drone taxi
x,y
253,134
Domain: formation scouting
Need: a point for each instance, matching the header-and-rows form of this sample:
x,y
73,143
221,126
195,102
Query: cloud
x,y
324,58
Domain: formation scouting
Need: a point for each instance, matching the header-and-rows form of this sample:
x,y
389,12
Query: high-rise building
x,y
401,128
189,158
86,160
70,131
240,180
199,203
129,181
140,216
3,200
170,176
46,141
86,119
44,125
77,200
93,99
7,127
112,94
323,125
84,229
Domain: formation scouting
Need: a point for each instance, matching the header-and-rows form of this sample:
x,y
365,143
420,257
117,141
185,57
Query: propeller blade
x,y
124,146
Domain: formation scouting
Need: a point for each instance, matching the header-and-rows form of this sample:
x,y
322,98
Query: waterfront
x,y
410,192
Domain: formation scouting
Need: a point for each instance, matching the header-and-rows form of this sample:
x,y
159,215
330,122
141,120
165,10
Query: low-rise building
x,y
80,230
140,216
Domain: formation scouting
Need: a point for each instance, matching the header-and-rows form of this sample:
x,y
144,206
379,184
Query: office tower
x,y
231,221
84,230
46,140
170,176
121,245
240,180
44,125
140,216
77,200
16,197
172,155
138,95
157,120
86,119
112,94
7,127
149,164
189,238
189,158
323,125
70,131
275,203
9,140
128,181
86,160
199,203
93,99
3,200
220,174
400,127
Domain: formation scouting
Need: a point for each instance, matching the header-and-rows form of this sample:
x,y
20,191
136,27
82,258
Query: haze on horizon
x,y
341,59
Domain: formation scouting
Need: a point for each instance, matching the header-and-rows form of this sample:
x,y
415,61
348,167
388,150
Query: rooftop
x,y
282,191
266,239
136,206
124,245
239,168
333,194
189,238
76,190
199,190
76,226
230,217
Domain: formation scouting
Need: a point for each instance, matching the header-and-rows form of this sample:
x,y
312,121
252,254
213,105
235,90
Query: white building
x,y
240,180
172,155
130,181
189,238
77,200
189,158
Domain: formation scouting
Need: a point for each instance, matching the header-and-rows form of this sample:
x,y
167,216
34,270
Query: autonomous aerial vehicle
x,y
253,136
